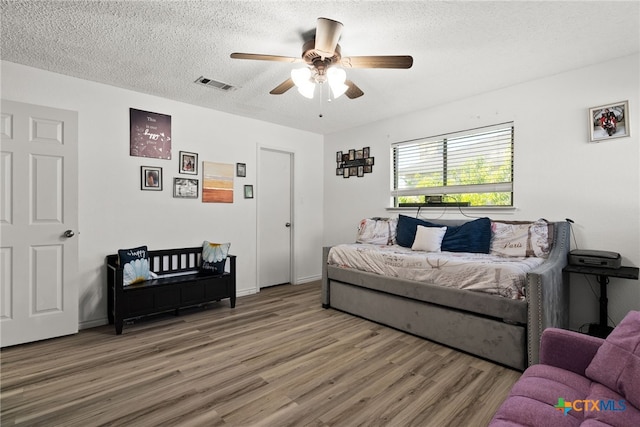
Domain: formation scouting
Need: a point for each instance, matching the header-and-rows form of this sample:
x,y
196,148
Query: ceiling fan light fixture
x,y
336,78
307,90
302,79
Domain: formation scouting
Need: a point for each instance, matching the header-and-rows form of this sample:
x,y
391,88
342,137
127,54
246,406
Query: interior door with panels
x,y
38,219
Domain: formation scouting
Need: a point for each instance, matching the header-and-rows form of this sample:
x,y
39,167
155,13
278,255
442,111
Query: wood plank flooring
x,y
277,359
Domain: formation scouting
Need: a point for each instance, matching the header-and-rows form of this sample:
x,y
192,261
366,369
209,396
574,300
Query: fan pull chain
x,y
320,115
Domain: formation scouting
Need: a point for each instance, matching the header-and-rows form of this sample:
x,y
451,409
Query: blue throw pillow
x,y
406,229
214,257
473,236
135,265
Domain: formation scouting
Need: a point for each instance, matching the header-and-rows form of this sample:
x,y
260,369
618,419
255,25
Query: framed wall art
x,y
248,191
188,163
150,134
217,182
609,121
354,162
150,178
241,170
185,188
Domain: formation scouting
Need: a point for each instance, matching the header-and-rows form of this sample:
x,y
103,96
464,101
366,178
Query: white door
x,y
274,217
38,217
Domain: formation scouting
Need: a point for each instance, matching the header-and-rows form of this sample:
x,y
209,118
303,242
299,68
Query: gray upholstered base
x,y
502,330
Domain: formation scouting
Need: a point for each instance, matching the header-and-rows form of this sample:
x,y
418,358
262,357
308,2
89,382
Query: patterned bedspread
x,y
492,274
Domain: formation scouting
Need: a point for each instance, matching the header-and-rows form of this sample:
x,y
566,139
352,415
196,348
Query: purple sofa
x,y
580,380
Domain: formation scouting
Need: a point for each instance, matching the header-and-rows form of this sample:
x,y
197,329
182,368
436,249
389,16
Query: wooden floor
x,y
277,359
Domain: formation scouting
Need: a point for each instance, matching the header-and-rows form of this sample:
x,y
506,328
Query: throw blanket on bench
x,y
492,274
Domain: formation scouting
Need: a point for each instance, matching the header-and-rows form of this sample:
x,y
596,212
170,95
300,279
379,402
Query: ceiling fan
x,y
324,63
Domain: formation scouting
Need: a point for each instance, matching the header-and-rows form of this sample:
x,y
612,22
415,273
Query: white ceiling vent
x,y
215,84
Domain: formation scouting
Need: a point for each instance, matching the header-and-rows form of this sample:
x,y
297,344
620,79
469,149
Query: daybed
x,y
501,329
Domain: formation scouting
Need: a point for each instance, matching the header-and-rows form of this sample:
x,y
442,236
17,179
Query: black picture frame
x,y
186,188
188,163
150,178
241,170
248,191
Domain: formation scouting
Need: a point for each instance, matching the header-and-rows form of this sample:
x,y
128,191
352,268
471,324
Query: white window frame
x,y
500,136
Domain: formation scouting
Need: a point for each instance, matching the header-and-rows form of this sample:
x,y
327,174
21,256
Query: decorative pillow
x,y
406,230
135,265
428,239
473,236
617,361
521,238
214,256
377,231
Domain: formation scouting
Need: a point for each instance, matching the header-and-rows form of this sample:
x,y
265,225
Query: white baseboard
x,y
308,279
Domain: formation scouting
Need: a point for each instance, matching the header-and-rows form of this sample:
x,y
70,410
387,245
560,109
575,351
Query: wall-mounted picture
x,y
609,121
241,170
248,191
185,188
188,163
150,134
217,182
354,162
150,178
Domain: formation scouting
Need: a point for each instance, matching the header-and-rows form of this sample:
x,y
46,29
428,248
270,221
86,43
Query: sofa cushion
x,y
473,236
533,400
612,409
617,362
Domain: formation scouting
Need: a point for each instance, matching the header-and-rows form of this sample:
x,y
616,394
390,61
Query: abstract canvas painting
x,y
217,182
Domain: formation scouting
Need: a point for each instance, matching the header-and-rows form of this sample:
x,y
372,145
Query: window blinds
x,y
474,161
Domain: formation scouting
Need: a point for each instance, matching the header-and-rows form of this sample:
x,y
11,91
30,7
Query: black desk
x,y
602,329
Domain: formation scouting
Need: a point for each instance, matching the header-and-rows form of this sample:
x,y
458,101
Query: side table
x,y
602,329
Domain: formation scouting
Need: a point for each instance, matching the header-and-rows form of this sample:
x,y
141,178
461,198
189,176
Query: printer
x,y
592,258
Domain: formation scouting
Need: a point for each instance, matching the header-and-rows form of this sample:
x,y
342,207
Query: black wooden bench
x,y
179,285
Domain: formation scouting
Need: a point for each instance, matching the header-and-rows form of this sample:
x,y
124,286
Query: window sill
x,y
459,210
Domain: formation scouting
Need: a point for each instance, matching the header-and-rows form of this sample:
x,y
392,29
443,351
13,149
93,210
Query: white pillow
x,y
428,239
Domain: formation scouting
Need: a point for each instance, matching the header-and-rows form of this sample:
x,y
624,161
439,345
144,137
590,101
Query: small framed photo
x,y
366,151
609,121
185,188
338,156
248,191
150,178
241,169
188,163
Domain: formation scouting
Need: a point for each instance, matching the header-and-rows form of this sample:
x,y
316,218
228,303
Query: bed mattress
x,y
491,274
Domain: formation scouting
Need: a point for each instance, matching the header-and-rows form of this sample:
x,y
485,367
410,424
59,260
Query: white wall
x,y
114,213
558,173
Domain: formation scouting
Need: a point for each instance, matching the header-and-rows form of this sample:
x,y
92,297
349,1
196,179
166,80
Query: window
x,y
470,168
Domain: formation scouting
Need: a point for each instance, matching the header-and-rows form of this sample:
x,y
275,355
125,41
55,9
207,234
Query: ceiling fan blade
x,y
283,87
261,57
353,91
327,35
398,61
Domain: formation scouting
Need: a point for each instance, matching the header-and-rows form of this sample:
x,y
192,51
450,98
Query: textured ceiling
x,y
460,48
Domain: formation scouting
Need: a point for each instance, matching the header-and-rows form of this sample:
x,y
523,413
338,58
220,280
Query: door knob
x,y
288,224
69,233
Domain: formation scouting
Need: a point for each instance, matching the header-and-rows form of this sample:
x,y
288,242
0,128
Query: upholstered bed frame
x,y
503,330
